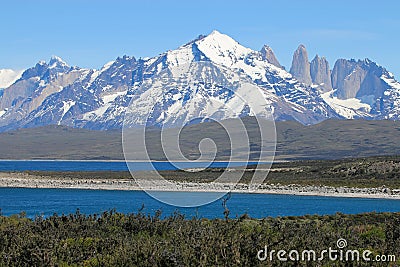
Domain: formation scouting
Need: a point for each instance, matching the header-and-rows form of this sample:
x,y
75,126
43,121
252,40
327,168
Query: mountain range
x,y
54,93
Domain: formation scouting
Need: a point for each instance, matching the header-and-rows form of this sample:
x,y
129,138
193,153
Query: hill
x,y
331,139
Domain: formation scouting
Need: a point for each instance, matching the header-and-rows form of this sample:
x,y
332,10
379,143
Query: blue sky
x,y
91,33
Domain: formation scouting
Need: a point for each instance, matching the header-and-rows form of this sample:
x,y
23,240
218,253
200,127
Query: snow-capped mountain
x,y
59,94
365,89
226,59
354,89
198,79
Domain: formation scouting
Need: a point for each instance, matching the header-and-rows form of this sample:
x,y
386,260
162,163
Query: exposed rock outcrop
x,y
268,54
301,66
321,74
358,79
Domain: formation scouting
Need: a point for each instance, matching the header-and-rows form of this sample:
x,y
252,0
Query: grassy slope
x,y
331,139
60,142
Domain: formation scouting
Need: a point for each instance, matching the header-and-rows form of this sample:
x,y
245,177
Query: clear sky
x,y
90,33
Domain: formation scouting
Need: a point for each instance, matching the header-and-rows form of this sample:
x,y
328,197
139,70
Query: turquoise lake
x,y
46,202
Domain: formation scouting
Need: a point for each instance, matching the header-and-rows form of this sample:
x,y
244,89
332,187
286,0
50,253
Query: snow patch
x,y
389,80
42,83
222,49
93,77
348,108
107,66
67,105
8,77
180,56
110,98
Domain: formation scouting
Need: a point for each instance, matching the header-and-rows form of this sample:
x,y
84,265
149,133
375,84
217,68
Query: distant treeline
x,y
115,239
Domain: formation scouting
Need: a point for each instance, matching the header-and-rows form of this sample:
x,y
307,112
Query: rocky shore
x,y
24,180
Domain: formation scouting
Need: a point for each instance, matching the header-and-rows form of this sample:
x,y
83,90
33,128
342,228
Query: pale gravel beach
x,y
24,180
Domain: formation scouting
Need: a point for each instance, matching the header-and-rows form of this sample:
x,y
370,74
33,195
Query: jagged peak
x,y
267,47
56,58
301,49
126,58
268,54
300,68
56,61
353,62
41,63
318,58
368,61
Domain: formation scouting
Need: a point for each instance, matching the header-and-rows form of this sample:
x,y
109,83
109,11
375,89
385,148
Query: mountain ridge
x,y
54,93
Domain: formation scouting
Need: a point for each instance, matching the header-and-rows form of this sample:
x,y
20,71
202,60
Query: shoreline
x,y
23,180
140,161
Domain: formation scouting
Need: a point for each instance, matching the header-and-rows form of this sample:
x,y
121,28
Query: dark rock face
x,y
341,79
301,66
321,74
268,55
358,79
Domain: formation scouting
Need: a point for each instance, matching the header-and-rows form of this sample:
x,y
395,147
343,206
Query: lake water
x,y
48,201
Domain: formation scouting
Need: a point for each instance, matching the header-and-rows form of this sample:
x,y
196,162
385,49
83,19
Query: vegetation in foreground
x,y
115,239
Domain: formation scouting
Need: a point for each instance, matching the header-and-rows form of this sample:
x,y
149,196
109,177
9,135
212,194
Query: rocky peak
x,y
57,62
125,59
46,71
321,73
268,54
301,66
37,71
358,79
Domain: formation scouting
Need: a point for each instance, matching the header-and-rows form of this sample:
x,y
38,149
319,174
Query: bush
x,y
116,239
